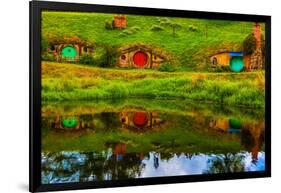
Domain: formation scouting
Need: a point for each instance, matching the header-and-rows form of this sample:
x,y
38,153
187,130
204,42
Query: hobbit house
x,y
140,56
226,58
238,61
70,49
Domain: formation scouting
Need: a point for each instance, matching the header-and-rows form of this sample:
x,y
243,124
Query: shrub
x,y
156,28
173,25
192,28
221,69
164,21
48,57
86,59
158,19
44,44
109,25
249,44
167,67
129,31
135,28
125,33
108,58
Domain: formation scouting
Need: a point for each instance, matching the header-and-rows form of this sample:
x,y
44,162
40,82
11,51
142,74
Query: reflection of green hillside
x,y
172,139
186,128
179,107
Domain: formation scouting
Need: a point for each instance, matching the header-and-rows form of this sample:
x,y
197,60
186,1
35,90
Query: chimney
x,y
120,22
257,34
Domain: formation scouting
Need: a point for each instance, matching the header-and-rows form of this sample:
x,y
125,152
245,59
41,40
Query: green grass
x,y
189,47
75,82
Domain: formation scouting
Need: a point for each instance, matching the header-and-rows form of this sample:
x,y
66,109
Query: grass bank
x,y
62,82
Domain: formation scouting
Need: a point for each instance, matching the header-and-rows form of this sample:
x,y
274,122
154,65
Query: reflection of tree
x,y
61,167
129,167
189,155
252,140
79,167
156,160
110,119
226,163
166,155
45,127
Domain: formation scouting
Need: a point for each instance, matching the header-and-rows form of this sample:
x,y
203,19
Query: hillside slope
x,y
193,41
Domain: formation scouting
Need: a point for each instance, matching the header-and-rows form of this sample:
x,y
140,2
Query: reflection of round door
x,y
236,64
69,52
70,122
235,124
140,59
140,119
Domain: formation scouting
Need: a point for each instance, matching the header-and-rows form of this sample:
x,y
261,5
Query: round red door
x,y
140,59
140,119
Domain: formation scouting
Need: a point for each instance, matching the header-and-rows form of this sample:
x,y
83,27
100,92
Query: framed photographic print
x,y
124,96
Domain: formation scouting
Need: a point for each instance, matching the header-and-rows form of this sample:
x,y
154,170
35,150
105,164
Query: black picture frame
x,y
35,94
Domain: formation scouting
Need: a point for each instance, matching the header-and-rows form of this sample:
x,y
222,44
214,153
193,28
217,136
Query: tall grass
x,y
196,86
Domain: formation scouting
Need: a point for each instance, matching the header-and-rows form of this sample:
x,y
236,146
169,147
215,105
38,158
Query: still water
x,y
111,140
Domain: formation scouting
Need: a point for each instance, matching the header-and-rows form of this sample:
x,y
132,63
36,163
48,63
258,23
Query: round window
x,y
123,57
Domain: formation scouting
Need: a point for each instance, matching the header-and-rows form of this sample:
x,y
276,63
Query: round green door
x,y
69,53
236,63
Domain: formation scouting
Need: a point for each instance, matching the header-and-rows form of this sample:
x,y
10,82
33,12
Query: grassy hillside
x,y
77,82
190,46
194,41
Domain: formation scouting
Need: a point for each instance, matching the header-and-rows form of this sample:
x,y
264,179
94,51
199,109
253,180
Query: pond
x,y
138,138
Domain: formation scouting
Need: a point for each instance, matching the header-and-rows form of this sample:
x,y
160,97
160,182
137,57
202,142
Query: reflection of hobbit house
x,y
70,49
140,120
72,123
251,133
140,56
238,61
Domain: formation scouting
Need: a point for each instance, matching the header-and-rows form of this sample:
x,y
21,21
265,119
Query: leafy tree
x,y
174,26
110,56
171,24
249,44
